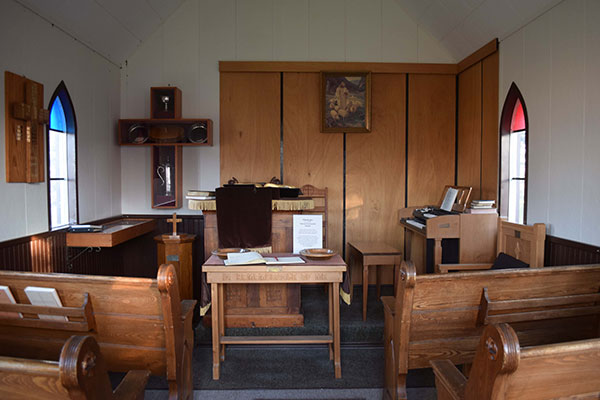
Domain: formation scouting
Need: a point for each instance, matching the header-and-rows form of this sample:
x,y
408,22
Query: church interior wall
x,y
31,46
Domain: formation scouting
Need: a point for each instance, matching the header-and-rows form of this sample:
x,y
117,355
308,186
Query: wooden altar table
x,y
322,271
257,305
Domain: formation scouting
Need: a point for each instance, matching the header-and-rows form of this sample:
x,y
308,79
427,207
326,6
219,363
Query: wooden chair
x,y
139,323
504,370
437,316
320,198
523,242
79,374
462,198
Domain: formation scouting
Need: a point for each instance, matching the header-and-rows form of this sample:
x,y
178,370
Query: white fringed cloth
x,y
277,205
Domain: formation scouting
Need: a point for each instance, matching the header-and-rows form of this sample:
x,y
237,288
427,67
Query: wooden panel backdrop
x,y
375,170
490,128
431,123
469,129
309,156
250,126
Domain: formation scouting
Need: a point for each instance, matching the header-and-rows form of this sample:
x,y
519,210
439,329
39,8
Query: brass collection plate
x,y
318,254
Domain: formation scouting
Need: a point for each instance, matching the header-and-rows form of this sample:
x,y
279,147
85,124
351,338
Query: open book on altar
x,y
253,257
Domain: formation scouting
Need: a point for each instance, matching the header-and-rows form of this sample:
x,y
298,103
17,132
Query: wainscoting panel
x,y
567,252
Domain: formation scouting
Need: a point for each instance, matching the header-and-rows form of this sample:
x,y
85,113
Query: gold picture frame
x,y
345,102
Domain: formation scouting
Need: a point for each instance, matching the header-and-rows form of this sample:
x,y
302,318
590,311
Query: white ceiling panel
x,y
465,25
415,8
113,28
134,15
165,8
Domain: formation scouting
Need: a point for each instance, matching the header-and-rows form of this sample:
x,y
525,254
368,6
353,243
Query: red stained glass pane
x,y
518,118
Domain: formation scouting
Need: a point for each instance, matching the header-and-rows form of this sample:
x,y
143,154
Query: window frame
x,y
71,126
508,109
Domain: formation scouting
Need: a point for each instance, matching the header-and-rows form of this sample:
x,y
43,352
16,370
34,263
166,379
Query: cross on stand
x,y
174,220
33,116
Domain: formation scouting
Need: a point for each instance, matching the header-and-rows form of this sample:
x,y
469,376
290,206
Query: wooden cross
x,y
174,220
33,115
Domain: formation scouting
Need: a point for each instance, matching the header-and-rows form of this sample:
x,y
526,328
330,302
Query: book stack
x,y
482,207
200,195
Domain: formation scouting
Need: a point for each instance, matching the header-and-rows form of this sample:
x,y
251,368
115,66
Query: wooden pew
x,y
79,374
442,316
504,370
139,323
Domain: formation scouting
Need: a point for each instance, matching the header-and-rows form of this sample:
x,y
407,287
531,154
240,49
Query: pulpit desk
x,y
257,305
322,271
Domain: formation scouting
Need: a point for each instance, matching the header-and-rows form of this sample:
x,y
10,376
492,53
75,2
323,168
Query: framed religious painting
x,y
345,102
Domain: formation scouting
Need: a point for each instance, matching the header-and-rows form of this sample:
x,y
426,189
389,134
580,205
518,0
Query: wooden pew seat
x,y
139,323
79,374
442,316
503,370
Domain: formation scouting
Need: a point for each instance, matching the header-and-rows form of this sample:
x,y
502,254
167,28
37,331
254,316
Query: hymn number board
x,y
24,129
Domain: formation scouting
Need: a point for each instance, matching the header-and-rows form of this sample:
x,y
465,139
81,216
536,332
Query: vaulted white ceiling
x,y
115,28
463,26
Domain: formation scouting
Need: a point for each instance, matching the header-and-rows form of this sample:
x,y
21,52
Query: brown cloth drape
x,y
244,216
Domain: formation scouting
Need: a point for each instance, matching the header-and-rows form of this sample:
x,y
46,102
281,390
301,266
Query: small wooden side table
x,y
177,250
373,254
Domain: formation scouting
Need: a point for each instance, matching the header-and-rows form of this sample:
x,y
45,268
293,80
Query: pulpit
x,y
253,304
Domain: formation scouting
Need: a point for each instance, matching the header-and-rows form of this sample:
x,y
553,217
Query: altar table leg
x,y
336,329
222,318
214,291
365,289
330,299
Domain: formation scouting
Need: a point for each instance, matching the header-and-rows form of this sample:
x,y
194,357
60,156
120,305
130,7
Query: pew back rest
x,y
436,316
504,370
129,319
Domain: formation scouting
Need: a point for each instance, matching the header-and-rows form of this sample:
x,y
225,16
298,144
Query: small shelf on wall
x,y
165,132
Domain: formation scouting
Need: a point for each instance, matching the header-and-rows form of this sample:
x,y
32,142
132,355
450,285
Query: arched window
x,y
513,150
62,160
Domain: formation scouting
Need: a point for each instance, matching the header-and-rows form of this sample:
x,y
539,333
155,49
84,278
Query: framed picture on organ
x,y
345,102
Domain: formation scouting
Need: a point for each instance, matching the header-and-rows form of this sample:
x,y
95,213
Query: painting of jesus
x,y
345,102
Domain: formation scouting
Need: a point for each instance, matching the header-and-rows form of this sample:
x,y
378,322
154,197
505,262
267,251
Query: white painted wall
x,y
30,46
555,61
186,50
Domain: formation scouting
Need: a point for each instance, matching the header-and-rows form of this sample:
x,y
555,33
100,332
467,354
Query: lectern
x,y
176,249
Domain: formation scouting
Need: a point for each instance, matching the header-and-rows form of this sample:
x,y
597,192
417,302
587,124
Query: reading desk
x,y
322,271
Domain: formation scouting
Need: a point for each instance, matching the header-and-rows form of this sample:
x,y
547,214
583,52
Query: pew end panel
x,y
502,369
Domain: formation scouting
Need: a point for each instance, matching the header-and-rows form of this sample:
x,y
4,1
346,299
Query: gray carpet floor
x,y
303,367
316,394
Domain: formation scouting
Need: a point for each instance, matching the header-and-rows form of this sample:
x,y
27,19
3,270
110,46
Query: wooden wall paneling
x,y
490,133
431,137
250,126
469,130
36,253
317,66
375,170
309,156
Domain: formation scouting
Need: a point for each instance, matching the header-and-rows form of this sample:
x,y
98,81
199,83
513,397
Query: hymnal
x,y
85,228
7,297
252,257
42,296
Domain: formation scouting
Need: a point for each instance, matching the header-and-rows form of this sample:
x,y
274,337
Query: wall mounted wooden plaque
x,y
24,128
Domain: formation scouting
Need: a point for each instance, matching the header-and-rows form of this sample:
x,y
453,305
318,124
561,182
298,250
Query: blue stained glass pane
x,y
57,116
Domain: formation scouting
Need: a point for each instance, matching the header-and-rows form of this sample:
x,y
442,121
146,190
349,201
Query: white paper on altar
x,y
308,232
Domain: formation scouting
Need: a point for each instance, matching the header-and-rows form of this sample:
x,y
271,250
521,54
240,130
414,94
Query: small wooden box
x,y
165,102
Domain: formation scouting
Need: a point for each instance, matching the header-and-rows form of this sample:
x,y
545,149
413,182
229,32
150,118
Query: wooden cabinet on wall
x,y
478,130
